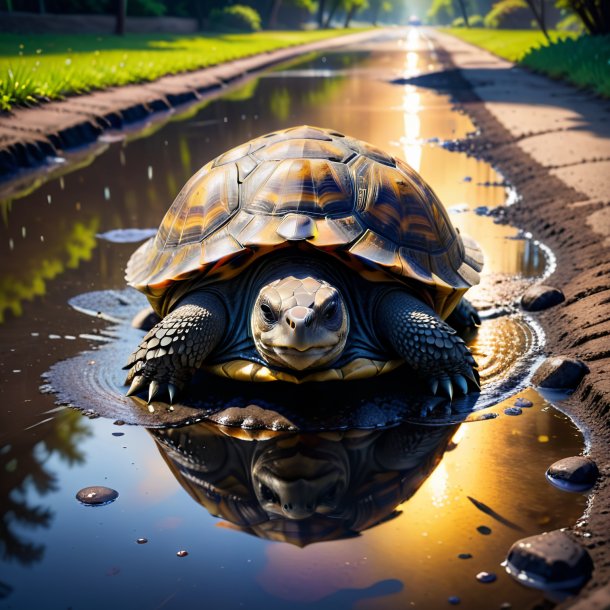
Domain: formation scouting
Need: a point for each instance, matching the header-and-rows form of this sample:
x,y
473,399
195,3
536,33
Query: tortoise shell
x,y
307,187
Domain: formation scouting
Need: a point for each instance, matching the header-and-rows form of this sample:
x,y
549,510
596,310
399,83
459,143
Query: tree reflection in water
x,y
23,467
302,488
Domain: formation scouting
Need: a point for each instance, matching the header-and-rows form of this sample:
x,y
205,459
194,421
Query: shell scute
x,y
304,149
312,186
205,203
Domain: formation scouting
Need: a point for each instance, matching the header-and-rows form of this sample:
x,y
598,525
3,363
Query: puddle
x,y
394,525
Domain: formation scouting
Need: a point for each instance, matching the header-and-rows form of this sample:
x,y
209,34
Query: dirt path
x,y
32,138
552,143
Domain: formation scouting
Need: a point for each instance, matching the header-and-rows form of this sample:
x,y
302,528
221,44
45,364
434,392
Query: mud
x,y
554,150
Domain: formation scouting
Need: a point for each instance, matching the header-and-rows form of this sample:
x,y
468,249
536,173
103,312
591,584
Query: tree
x,y
594,14
351,8
537,7
465,12
121,11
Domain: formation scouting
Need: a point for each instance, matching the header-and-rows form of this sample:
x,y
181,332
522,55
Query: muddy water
x,y
399,513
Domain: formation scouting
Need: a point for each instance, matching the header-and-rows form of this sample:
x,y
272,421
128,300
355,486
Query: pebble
x,y
483,529
182,553
97,495
513,411
576,473
118,434
486,577
523,403
142,540
464,556
560,373
541,296
506,606
145,319
549,561
454,600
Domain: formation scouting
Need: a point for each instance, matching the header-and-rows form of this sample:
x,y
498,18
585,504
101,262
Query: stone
x,y
577,473
541,296
550,561
560,373
97,495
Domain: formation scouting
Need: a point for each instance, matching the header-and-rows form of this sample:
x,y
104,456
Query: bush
x,y
571,23
235,18
474,21
509,15
441,12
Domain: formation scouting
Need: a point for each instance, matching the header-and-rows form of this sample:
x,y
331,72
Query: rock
x,y
145,319
560,373
97,495
541,296
576,473
513,411
549,561
486,577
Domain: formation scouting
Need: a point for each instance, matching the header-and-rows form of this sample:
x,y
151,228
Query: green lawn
x,y
36,68
510,44
583,60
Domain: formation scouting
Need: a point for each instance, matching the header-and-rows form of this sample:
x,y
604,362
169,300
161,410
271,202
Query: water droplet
x,y
486,577
182,553
454,600
142,540
465,556
118,434
106,193
483,529
150,172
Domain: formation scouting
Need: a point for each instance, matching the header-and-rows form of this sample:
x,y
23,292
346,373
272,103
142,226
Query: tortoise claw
x,y
433,385
172,390
137,384
153,390
461,383
447,387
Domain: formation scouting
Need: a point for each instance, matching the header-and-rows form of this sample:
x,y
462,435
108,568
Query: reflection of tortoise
x,y
304,255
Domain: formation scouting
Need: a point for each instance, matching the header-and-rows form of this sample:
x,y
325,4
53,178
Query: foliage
x,y
594,14
41,67
475,21
441,12
571,23
509,14
581,61
238,17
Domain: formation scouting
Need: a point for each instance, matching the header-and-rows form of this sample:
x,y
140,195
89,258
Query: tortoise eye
x,y
268,314
330,310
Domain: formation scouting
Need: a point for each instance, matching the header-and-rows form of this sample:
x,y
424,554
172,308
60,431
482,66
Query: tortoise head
x,y
299,323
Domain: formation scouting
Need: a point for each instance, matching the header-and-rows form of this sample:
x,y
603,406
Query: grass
x,y
582,60
36,68
509,44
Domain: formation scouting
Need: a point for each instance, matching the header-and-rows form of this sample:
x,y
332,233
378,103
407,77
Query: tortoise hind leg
x,y
428,345
177,346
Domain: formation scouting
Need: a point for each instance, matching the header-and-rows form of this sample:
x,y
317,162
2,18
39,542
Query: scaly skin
x,y
177,346
428,345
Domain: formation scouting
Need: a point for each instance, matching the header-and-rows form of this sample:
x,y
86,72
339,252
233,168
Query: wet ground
x,y
88,557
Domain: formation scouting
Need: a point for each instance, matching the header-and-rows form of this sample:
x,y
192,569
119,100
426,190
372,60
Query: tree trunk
x,y
321,7
539,16
349,16
464,12
331,13
121,11
275,8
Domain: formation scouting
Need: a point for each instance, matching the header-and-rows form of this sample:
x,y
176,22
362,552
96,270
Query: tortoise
x,y
304,255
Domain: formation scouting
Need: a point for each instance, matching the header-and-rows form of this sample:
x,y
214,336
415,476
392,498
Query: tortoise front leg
x,y
177,346
428,345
